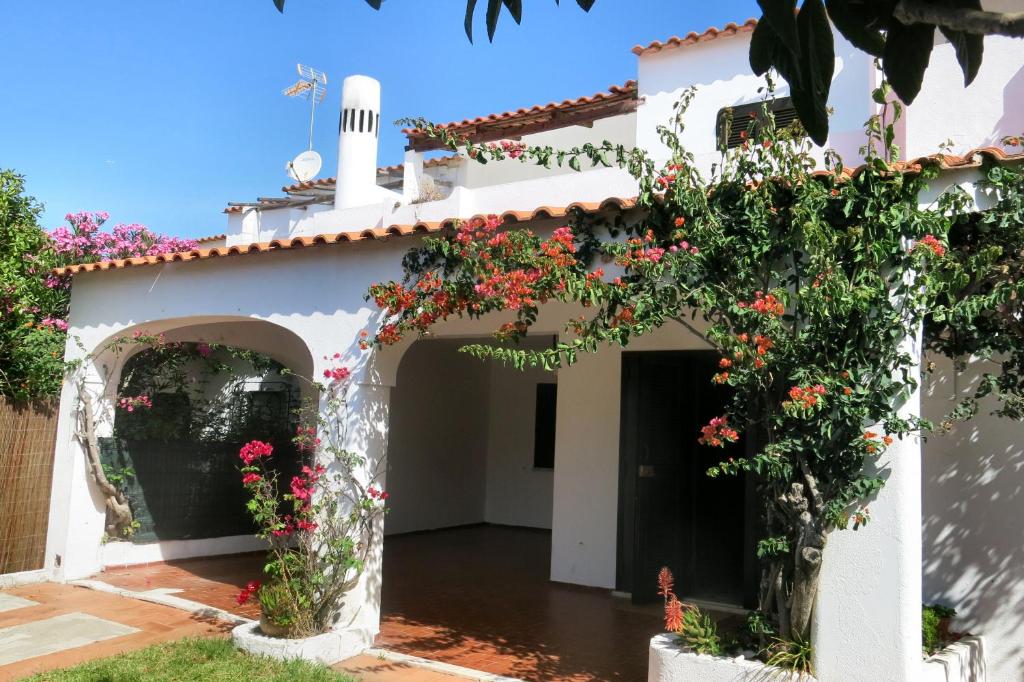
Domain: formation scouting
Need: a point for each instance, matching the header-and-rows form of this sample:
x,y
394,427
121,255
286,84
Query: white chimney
x,y
359,129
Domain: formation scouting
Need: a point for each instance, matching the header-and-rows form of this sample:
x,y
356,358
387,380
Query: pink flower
x,y
203,349
253,450
337,373
299,489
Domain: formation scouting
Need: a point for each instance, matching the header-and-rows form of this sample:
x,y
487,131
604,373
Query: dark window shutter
x,y
544,426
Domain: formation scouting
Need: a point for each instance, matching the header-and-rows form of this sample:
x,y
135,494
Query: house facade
x,y
462,442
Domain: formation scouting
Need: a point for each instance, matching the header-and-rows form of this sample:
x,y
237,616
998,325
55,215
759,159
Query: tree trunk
x,y
790,582
806,571
119,514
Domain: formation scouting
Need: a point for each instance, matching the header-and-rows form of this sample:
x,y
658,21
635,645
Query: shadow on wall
x,y
973,498
1012,120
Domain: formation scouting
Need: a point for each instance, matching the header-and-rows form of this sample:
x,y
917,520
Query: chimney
x,y
359,129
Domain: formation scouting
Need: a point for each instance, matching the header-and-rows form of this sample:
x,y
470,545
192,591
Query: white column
x,y
77,512
867,621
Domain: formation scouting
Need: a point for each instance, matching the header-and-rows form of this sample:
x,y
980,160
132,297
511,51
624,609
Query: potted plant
x,y
320,526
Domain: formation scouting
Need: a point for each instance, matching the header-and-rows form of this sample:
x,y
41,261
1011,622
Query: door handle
x,y
645,471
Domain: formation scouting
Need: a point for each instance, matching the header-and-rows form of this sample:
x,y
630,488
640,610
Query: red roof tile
x,y
539,213
329,183
616,100
693,37
972,159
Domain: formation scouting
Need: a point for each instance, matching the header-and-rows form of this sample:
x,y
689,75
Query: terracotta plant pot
x,y
271,629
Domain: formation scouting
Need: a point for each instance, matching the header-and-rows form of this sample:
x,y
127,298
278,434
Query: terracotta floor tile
x,y
477,597
157,624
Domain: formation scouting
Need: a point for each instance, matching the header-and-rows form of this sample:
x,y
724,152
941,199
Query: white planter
x,y
670,663
328,648
962,661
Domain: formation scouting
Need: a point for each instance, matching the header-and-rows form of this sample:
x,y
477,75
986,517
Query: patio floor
x,y
47,625
477,597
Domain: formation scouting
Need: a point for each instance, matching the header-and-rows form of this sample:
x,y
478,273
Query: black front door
x,y
670,512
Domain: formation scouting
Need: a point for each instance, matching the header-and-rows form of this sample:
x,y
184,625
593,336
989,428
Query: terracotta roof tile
x,y
518,122
329,183
972,159
693,37
539,213
211,238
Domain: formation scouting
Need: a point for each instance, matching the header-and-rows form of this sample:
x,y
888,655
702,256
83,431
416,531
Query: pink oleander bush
x,y
33,300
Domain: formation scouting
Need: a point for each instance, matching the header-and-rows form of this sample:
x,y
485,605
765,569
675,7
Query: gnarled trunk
x,y
790,582
119,514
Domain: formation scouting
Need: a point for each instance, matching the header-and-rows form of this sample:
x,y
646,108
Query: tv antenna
x,y
311,86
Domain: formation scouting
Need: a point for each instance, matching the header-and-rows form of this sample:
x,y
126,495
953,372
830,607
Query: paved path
x,y
47,626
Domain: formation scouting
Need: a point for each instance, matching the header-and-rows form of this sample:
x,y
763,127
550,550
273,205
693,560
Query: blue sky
x,y
160,112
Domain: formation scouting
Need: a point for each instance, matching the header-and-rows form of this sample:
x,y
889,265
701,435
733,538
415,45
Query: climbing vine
x,y
808,281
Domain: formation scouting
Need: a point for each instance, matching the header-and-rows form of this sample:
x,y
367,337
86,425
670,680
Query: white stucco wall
x,y
616,129
437,445
517,493
991,108
460,449
973,494
720,70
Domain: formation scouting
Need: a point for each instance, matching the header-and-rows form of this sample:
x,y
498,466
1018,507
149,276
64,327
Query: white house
x,y
289,275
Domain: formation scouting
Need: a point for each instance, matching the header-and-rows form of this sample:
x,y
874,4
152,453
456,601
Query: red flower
x,y
253,450
251,478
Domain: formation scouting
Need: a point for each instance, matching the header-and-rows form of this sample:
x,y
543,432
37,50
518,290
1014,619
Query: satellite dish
x,y
305,166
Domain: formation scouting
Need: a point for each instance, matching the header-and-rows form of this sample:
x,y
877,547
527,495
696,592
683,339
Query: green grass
x,y
193,660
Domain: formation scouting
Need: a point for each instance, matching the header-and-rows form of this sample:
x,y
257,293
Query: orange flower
x,y
847,391
665,581
680,221
887,440
868,435
725,363
673,615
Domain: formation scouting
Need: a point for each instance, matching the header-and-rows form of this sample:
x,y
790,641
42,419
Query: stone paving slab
x,y
9,602
51,635
148,624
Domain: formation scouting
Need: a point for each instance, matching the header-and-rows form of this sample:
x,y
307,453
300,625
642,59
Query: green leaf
x,y
781,15
493,12
468,22
515,8
860,23
372,3
969,49
810,98
907,51
279,4
764,45
585,5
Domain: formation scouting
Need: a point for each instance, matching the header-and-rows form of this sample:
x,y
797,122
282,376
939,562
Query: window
x,y
544,426
732,121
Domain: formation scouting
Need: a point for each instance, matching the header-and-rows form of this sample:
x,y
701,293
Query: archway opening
x,y
470,473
